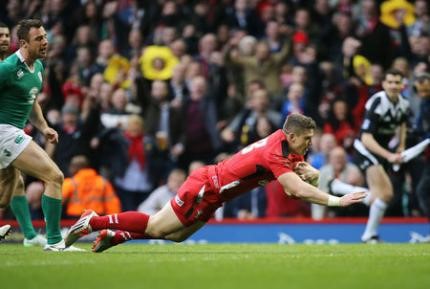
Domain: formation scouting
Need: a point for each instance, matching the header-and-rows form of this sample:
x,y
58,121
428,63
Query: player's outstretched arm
x,y
294,186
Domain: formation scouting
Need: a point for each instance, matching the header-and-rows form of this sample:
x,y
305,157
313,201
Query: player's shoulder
x,y
277,143
377,97
377,102
276,137
403,102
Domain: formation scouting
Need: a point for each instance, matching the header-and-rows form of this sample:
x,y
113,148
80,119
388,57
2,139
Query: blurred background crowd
x,y
143,92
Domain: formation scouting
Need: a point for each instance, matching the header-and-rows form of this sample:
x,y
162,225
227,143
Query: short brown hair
x,y
393,71
24,27
296,123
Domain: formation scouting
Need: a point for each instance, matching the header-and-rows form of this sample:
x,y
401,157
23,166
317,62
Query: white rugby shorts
x,y
12,142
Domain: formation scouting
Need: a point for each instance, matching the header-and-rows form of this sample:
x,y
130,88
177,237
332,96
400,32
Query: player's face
x,y
4,39
300,143
37,44
392,85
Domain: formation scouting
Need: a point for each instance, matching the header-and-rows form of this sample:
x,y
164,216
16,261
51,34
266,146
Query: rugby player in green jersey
x,y
11,180
20,83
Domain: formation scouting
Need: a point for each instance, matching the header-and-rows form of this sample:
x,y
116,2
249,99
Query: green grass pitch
x,y
391,266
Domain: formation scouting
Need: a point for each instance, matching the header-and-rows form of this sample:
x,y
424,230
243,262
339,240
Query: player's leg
x,y
156,226
382,190
19,204
108,238
20,208
8,181
34,161
187,208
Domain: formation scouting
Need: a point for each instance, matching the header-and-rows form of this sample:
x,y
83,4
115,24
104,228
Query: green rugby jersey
x,y
19,88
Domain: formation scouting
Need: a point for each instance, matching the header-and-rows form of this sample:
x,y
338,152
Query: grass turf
x,y
218,266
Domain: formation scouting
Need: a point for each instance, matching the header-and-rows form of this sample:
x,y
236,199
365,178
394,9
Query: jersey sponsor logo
x,y
20,74
33,93
178,201
19,139
7,152
40,75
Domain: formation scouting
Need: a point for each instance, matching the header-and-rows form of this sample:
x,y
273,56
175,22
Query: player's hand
x,y
51,135
352,198
306,172
395,158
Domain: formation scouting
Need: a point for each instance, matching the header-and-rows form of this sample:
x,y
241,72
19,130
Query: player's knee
x,y
387,194
57,176
155,234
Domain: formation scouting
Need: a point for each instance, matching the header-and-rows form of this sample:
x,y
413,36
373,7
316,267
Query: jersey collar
x,y
21,58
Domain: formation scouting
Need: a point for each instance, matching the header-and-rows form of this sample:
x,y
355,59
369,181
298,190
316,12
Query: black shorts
x,y
365,159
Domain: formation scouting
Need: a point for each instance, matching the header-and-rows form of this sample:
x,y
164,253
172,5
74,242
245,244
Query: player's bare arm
x,y
294,186
371,144
37,119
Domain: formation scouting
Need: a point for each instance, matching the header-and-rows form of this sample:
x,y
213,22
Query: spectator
x,y
340,124
294,102
164,126
73,138
161,195
135,184
421,25
319,155
262,65
339,168
242,130
244,17
201,137
87,189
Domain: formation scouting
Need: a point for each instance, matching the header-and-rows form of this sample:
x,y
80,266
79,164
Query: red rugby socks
x,y
128,221
124,236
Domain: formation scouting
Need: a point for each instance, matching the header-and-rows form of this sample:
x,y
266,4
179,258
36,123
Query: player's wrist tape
x,y
333,201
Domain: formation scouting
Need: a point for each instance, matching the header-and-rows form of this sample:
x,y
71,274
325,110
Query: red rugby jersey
x,y
255,165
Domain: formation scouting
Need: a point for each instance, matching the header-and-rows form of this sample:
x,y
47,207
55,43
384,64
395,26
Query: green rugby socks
x,y
52,210
19,206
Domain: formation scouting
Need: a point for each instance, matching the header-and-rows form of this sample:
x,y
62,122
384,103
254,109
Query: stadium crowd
x,y
149,90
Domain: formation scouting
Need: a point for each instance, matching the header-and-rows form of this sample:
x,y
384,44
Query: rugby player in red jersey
x,y
278,156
